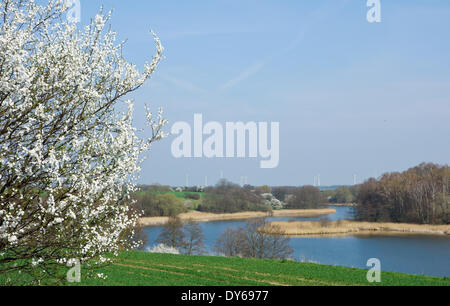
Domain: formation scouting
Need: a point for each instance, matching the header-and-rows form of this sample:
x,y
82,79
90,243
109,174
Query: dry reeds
x,y
197,216
338,228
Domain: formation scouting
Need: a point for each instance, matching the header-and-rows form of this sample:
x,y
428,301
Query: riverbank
x,y
197,216
345,228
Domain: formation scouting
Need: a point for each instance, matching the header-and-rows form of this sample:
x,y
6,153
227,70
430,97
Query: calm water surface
x,y
412,254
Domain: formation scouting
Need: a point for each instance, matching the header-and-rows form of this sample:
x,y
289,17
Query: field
x,y
183,194
145,269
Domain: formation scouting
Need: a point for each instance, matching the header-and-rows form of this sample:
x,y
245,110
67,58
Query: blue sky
x,y
351,97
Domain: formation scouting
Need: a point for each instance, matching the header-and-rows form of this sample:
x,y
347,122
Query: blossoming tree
x,y
68,157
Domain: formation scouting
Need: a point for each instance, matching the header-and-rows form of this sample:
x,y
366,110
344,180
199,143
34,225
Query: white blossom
x,y
36,262
68,158
163,249
102,276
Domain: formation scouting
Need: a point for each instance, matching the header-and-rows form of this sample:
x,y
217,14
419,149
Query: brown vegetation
x,y
419,195
306,197
172,234
337,228
208,217
251,242
194,238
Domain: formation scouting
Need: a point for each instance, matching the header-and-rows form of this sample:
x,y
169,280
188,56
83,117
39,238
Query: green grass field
x,y
181,195
185,194
145,269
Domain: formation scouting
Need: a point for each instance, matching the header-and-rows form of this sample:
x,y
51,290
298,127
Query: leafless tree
x,y
229,243
278,243
193,244
258,243
172,234
306,197
254,241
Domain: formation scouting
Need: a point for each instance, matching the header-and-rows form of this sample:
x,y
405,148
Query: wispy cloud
x,y
186,85
251,70
316,16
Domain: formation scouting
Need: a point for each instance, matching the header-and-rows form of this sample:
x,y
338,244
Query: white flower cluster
x,y
35,262
272,201
102,276
163,249
68,159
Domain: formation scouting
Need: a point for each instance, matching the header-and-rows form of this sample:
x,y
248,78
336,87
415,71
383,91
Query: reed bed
x,y
339,228
197,216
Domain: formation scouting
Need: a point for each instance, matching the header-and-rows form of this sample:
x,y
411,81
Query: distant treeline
x,y
418,195
158,201
330,195
227,197
342,195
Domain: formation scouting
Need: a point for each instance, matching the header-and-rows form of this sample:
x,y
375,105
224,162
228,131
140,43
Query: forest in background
x,y
419,195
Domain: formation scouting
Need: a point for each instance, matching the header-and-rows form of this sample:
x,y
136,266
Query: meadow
x,y
147,269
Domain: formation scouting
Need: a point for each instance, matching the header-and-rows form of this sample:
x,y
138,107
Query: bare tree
x,y
230,242
172,234
254,241
306,197
259,244
193,244
277,244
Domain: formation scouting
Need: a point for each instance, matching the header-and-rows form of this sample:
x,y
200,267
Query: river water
x,y
412,254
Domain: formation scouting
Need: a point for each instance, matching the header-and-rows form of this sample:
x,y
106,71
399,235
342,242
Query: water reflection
x,y
428,255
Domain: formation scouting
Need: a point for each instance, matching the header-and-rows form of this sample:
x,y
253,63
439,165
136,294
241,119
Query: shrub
x,y
159,205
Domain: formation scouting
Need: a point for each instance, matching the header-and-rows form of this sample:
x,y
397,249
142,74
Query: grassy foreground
x,y
146,269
